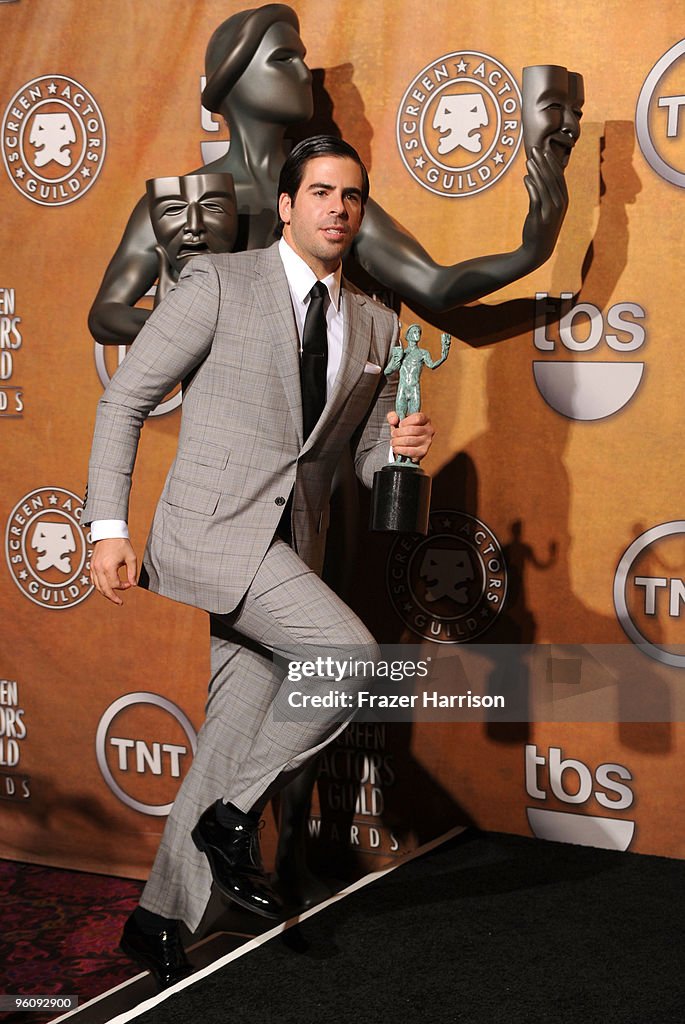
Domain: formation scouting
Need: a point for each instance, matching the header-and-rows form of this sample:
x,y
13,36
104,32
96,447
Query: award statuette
x,y
401,490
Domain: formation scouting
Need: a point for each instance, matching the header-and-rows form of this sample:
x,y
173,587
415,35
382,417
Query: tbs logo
x,y
588,389
572,782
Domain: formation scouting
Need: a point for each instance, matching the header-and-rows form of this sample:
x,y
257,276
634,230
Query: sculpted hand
x,y
548,204
446,340
395,359
109,556
165,275
412,436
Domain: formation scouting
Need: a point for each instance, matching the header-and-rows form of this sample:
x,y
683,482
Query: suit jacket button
x,y
280,501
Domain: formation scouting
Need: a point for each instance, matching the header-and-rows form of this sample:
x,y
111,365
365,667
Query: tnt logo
x,y
590,389
144,745
660,116
649,591
571,781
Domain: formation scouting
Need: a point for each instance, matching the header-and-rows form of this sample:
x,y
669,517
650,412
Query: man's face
x,y
193,214
552,108
326,213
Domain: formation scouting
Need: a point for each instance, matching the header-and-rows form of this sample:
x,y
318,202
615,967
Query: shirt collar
x,y
301,277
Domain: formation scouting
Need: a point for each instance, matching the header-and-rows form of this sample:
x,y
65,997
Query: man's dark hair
x,y
292,171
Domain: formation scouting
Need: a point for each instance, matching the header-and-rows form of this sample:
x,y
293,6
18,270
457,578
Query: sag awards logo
x,y
649,592
14,784
53,140
103,359
570,781
47,550
449,586
587,389
356,778
142,772
659,124
11,393
459,124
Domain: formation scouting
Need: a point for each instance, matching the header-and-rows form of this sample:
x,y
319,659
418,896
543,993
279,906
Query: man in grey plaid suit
x,y
240,527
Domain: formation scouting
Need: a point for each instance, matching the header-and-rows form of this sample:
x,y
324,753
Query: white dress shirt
x,y
301,279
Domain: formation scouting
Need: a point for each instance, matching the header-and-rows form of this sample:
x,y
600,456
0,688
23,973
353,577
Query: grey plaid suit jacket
x,y
227,329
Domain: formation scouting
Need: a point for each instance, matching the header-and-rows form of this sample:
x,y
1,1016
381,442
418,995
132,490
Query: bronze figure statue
x,y
401,490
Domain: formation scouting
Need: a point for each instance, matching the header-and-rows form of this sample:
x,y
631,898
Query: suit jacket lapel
x,y
272,297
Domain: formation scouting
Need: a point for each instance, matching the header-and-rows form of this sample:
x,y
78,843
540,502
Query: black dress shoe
x,y
236,863
162,953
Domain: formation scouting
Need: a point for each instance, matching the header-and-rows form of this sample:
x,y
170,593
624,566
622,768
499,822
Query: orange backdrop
x,y
562,437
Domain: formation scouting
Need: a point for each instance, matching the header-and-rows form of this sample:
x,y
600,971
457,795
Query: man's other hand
x,y
412,436
109,556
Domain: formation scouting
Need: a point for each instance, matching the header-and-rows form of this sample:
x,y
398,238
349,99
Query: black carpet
x,y
483,930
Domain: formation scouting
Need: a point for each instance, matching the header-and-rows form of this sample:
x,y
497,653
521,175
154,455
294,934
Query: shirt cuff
x,y
108,529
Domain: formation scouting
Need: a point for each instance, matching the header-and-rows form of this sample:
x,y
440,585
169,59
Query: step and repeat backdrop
x,y
558,506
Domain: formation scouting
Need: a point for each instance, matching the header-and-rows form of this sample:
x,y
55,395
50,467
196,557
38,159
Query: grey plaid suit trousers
x,y
241,748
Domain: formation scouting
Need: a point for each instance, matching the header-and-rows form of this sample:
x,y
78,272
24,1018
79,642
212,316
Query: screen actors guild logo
x,y
649,593
449,586
53,140
47,551
659,116
459,124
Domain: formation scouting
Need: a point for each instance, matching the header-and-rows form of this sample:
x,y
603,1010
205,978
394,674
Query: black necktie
x,y
314,360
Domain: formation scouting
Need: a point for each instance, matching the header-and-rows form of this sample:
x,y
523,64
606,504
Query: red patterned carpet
x,y
60,931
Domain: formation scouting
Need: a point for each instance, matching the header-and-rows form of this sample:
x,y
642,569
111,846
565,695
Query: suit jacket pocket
x,y
189,497
204,453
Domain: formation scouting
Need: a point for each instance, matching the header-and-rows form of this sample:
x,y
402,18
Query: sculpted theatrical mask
x,y
553,99
193,214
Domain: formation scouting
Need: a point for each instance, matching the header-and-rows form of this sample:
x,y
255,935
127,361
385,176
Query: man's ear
x,y
284,207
